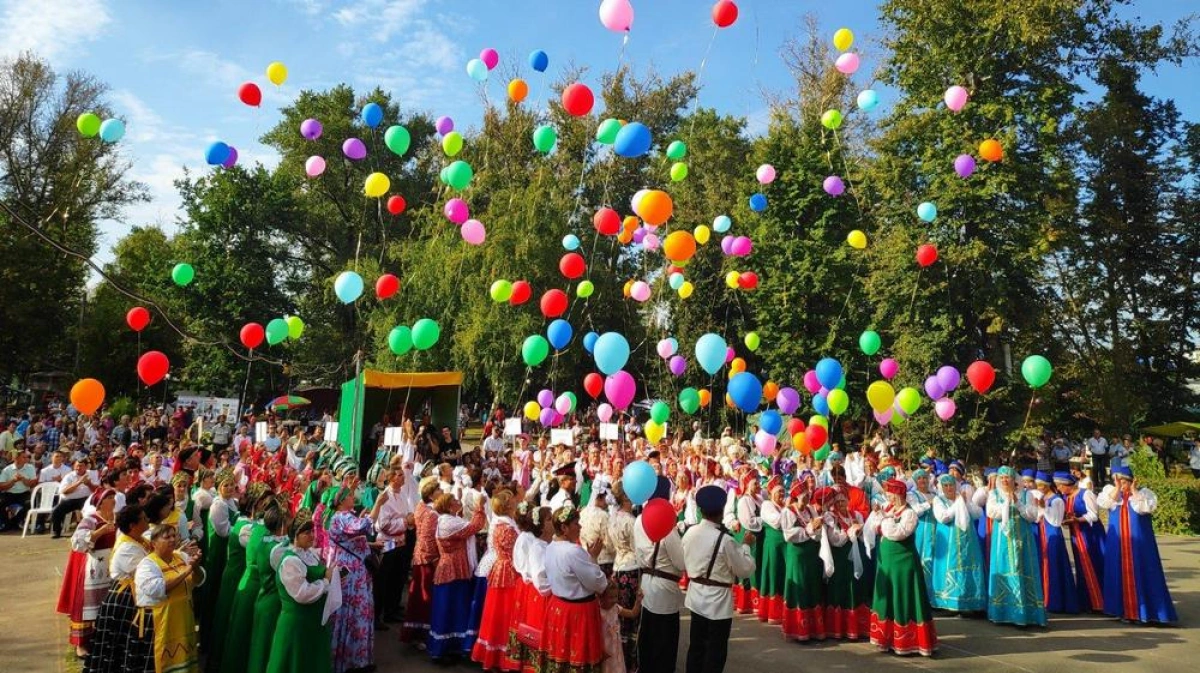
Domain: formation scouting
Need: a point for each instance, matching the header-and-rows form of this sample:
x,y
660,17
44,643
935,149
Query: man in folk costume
x,y
1135,588
662,566
742,516
566,488
715,561
1082,525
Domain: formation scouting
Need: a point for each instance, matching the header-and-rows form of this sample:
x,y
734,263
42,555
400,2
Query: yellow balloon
x,y
731,279
880,395
654,431
532,410
377,185
843,38
686,289
702,234
857,239
277,73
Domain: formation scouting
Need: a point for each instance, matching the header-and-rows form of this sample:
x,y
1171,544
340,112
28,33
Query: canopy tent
x,y
1176,429
366,398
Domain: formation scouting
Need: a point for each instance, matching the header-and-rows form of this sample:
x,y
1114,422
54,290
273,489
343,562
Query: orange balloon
x,y
729,402
679,246
630,223
656,207
800,442
705,397
518,90
770,390
625,237
87,395
738,365
991,150
628,288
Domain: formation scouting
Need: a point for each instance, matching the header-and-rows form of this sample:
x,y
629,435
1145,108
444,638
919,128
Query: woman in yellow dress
x,y
164,582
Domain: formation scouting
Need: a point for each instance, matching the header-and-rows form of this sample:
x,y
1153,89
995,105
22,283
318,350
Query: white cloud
x,y
385,18
51,28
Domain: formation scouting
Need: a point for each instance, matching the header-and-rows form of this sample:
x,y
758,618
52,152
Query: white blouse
x,y
999,504
570,571
594,522
293,572
150,585
620,531
771,514
795,525
958,512
747,514
221,514
901,527
1143,500
521,555
1053,512
535,565
124,561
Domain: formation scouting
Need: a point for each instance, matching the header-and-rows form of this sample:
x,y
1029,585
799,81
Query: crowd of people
x,y
255,556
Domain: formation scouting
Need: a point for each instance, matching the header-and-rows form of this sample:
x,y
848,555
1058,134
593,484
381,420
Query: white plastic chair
x,y
40,502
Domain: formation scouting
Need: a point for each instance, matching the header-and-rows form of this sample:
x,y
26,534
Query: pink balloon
x,y
620,389
889,368
765,442
741,246
604,412
490,58
640,291
765,174
956,98
457,211
730,354
945,408
616,15
847,63
665,349
882,417
727,245
563,404
314,166
811,384
650,242
473,232
834,186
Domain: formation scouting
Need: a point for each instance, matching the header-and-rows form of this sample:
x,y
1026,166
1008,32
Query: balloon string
x,y
912,302
700,78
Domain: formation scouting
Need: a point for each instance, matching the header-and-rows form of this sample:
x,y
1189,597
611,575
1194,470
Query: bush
x,y
1178,504
122,406
1146,464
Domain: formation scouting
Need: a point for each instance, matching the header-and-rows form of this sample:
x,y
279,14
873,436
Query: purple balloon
x,y
964,165
310,129
547,416
354,149
727,245
233,157
811,384
834,186
444,125
934,389
639,235
546,398
677,365
948,378
788,400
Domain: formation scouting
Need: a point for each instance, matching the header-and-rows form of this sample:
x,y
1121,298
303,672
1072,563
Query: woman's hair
x,y
563,517
138,493
155,505
303,523
128,517
441,504
618,493
274,518
500,501
159,529
429,488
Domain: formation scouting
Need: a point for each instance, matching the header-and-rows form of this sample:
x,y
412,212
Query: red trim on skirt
x,y
911,638
852,624
420,604
743,600
491,646
771,609
804,623
572,637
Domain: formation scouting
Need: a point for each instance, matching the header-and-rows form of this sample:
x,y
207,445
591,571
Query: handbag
x,y
529,636
372,561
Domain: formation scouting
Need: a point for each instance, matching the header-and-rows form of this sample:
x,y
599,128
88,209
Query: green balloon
x,y
459,174
838,401
442,175
842,384
574,400
679,171
397,139
818,419
501,290
295,327
832,119
1036,370
752,341
425,333
676,150
689,400
544,138
869,342
660,412
607,132
88,125
400,339
535,350
821,453
909,400
277,331
585,289
182,274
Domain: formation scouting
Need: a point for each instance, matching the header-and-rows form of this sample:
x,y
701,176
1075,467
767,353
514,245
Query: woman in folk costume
x,y
983,527
529,612
901,617
1082,525
267,557
847,603
741,516
308,592
118,646
686,513
163,584
627,573
595,518
449,628
491,644
958,581
235,652
572,635
1058,582
221,517
353,625
482,568
1135,588
920,500
86,579
1014,576
773,572
235,566
808,562
424,565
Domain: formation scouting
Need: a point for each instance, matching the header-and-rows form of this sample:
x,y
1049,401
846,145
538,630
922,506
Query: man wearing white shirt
x,y
393,517
16,480
493,446
1097,446
73,494
155,473
662,566
56,470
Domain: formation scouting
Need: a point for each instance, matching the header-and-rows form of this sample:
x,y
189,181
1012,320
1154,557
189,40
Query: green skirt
x,y
901,617
803,594
772,575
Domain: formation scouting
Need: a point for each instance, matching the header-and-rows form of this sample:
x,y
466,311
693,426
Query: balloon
x,y
821,404
838,401
182,274
981,376
562,404
88,125
758,202
277,73
500,291
539,60
252,335
765,174
604,412
314,166
606,132
376,185
889,368
217,153
632,141
572,266
741,246
765,442
620,388
722,223
788,400
112,130
948,377
679,171
544,138
926,254
559,334
534,350
675,280
710,353
250,94
746,391
372,115
686,289
589,341
231,160
934,389
909,400
822,454
1036,370
869,342
570,242
677,365
724,13
532,410
867,100
944,408
842,39
137,318
880,395
611,353
679,246
617,16
400,340
459,174
87,395
816,435
640,291
964,165
666,348
277,331
811,384
311,129
577,99
882,417
927,211
705,397
829,372
457,211
737,365
473,232
956,99
585,289
396,204
701,233
517,90
832,119
152,367
444,125
476,70
554,303
593,384
833,186
660,411
819,420
655,207
397,139
991,150
452,143
354,149
847,63
607,221
348,286
521,292
771,422
295,326
426,333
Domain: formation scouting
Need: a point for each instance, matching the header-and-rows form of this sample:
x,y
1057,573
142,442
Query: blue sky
x,y
174,67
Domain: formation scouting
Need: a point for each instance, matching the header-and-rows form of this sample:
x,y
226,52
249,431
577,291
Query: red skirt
x,y
743,599
851,624
911,638
420,604
572,638
70,595
491,646
529,611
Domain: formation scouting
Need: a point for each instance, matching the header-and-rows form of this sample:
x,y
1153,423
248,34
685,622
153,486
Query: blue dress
x,y
1014,583
958,577
1135,587
926,528
1087,543
1058,582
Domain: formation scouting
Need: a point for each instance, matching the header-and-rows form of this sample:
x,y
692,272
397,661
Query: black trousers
x,y
658,642
709,644
1099,472
62,509
393,577
8,500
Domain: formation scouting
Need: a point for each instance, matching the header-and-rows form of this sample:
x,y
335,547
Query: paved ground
x,y
33,638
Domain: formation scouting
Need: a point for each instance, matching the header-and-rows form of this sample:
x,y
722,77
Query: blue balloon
x,y
633,140
571,242
758,203
927,211
639,481
867,100
217,153
539,60
372,114
611,353
821,404
477,70
113,130
722,224
348,286
746,391
589,341
710,352
829,373
770,422
559,334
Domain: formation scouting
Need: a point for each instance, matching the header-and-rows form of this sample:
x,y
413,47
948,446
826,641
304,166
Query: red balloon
x,y
152,367
671,268
396,204
137,318
748,280
554,303
252,335
658,519
981,375
572,265
250,94
795,426
926,255
607,221
724,13
577,99
816,436
594,385
386,286
521,293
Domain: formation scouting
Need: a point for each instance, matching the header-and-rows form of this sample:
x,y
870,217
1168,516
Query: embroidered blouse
x,y
453,534
426,549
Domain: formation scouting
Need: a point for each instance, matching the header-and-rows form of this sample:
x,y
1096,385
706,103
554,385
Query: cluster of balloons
x,y
109,130
423,335
549,410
